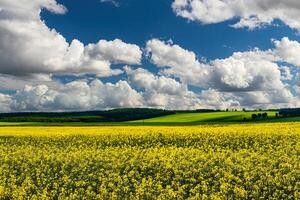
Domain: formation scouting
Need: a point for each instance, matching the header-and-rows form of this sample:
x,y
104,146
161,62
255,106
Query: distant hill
x,y
194,118
149,116
115,115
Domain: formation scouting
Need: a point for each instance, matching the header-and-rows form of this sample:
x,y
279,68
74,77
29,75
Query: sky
x,y
66,55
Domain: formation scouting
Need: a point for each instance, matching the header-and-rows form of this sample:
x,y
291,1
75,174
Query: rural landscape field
x,y
149,99
212,161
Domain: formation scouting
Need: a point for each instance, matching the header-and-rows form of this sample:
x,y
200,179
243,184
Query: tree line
x,y
115,115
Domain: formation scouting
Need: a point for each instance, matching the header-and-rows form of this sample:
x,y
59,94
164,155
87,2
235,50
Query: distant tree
x,y
254,116
277,115
289,112
259,115
227,110
265,115
244,109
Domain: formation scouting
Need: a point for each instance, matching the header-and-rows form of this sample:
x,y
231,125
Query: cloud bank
x,y
28,46
34,59
251,14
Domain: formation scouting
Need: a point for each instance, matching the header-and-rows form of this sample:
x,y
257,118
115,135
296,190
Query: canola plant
x,y
250,161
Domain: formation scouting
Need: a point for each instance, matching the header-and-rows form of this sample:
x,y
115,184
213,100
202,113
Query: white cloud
x,y
213,99
250,100
76,95
251,14
245,79
151,91
246,71
145,79
116,51
156,91
243,71
288,51
28,9
12,83
5,101
33,98
176,61
286,74
296,87
268,99
28,46
161,91
31,54
111,95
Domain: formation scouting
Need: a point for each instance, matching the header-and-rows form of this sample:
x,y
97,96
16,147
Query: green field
x,y
14,123
187,118
210,117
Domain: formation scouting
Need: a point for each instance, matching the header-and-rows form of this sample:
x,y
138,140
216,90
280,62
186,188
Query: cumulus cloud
x,y
251,79
13,83
28,46
267,99
243,71
245,79
142,89
161,91
251,14
120,94
286,74
76,95
176,61
150,82
5,101
152,91
213,99
250,100
32,56
246,71
33,98
287,51
116,51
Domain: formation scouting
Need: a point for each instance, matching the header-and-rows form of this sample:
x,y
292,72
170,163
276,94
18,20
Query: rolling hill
x,y
209,117
139,116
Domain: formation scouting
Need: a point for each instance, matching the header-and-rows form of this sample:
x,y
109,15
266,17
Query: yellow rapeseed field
x,y
258,161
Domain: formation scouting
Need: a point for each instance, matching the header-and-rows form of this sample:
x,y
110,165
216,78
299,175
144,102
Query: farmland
x,y
220,161
200,118
127,117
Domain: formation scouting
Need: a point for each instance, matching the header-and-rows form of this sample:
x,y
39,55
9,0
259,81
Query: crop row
x,y
209,162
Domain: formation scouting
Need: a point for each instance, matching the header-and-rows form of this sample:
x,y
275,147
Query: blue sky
x,y
137,21
190,45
